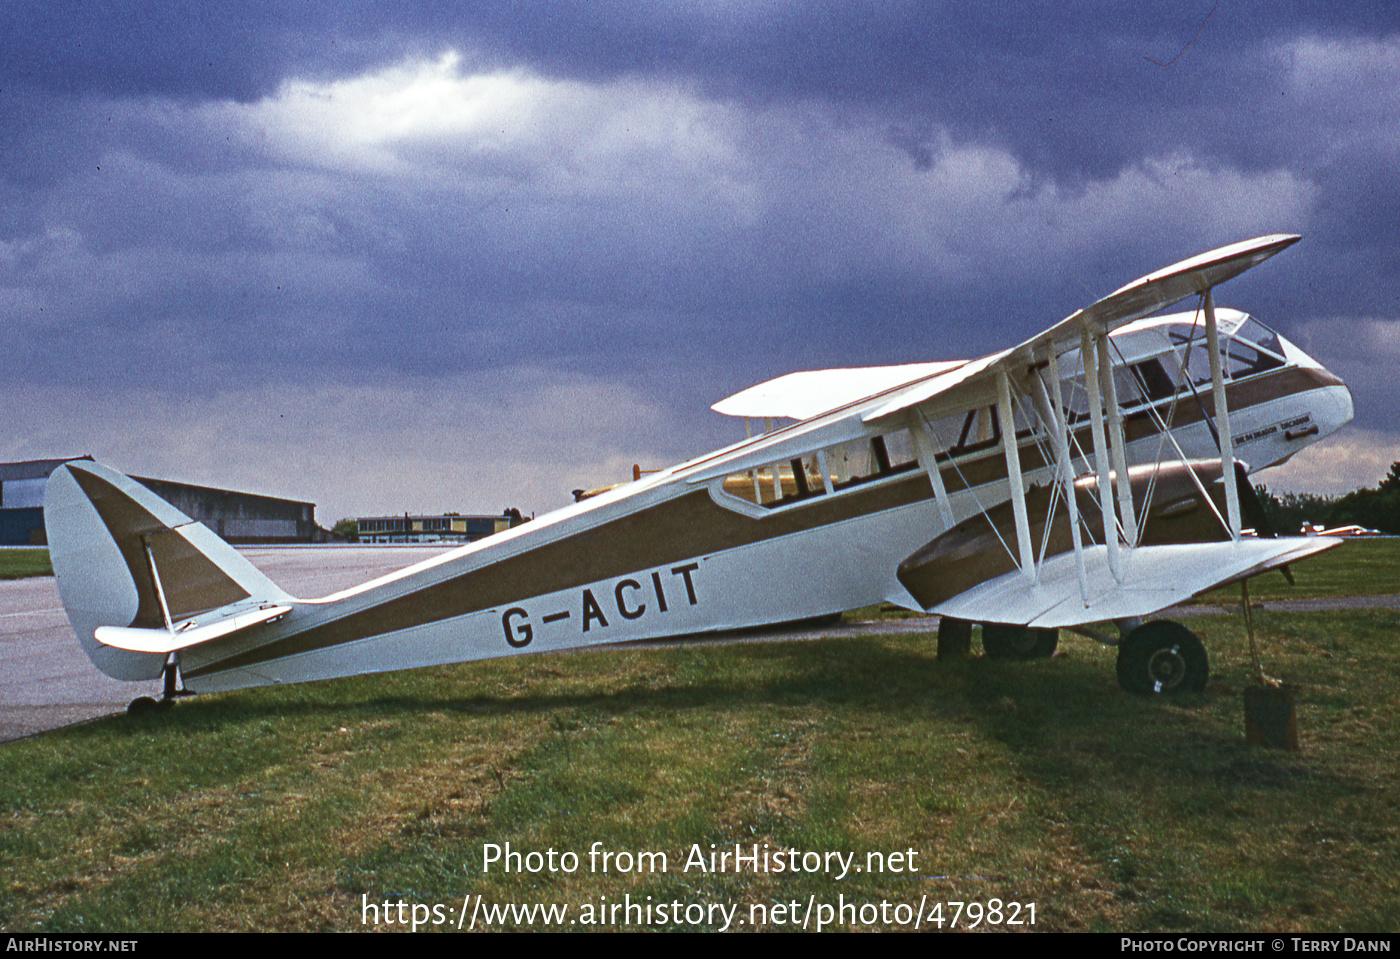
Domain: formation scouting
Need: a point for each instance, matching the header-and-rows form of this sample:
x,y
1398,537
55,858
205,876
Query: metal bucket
x,y
1270,717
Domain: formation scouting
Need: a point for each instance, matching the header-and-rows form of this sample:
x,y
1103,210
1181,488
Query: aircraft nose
x,y
1331,402
1334,408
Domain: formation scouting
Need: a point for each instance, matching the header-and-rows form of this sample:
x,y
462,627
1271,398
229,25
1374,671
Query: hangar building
x,y
243,518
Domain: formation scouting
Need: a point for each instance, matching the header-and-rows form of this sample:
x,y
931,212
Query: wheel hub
x,y
1166,668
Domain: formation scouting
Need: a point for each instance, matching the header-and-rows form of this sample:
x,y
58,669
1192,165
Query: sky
x,y
431,256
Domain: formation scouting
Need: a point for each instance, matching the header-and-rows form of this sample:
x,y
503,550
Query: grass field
x,y
19,563
288,809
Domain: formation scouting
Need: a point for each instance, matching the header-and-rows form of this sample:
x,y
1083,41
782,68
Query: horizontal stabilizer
x,y
1155,577
191,633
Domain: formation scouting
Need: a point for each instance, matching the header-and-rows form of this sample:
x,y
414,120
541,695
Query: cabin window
x,y
1197,359
981,429
1252,331
1242,360
756,486
778,484
1150,381
824,472
899,451
1252,349
973,431
851,463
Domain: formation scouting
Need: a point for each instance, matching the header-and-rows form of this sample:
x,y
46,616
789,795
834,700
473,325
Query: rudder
x,y
125,557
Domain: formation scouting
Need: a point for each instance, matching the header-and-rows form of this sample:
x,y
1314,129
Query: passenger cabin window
x,y
824,472
981,429
961,433
1147,381
835,469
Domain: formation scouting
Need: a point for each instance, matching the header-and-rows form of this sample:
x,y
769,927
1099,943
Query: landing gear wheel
x,y
954,638
1162,658
1018,642
142,705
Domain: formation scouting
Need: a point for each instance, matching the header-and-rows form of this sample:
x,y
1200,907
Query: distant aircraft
x,y
1077,478
1315,529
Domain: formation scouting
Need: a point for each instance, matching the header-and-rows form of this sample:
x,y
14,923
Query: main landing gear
x,y
173,690
1018,642
999,641
1162,658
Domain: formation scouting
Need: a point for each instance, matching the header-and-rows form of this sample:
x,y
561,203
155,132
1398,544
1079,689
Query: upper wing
x,y
811,392
1142,297
840,414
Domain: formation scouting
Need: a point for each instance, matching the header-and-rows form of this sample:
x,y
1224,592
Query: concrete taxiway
x,y
46,680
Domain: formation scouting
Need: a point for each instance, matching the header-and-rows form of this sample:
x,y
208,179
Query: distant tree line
x,y
1377,508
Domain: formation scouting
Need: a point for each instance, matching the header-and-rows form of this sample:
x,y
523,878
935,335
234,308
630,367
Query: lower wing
x,y
1154,577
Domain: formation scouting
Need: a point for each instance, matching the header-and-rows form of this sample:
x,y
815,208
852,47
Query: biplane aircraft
x,y
1093,473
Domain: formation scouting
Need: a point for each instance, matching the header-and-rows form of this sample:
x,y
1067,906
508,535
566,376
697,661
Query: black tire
x,y
142,705
1162,658
954,638
1000,641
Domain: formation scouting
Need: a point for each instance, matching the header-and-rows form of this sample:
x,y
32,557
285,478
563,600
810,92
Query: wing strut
x,y
1060,428
1013,473
1118,451
1088,349
1222,420
927,450
825,471
160,589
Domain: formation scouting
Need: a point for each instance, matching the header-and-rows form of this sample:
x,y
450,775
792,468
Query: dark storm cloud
x,y
1038,75
186,49
664,201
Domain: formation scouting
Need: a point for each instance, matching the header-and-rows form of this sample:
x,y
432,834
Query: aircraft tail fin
x,y
126,558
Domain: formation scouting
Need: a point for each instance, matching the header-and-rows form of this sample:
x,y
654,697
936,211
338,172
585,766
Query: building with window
x,y
442,528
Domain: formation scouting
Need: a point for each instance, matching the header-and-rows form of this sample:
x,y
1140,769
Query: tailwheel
x,y
1162,658
172,691
1000,641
